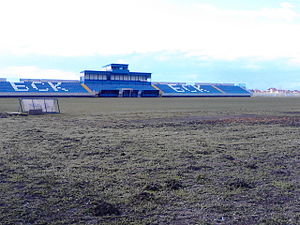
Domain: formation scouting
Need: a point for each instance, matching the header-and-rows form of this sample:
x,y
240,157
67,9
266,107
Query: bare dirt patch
x,y
249,119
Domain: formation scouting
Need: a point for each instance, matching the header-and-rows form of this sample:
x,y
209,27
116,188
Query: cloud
x,y
252,67
114,27
191,78
294,62
286,5
33,72
287,85
122,61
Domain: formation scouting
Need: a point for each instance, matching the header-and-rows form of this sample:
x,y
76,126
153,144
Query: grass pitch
x,y
152,161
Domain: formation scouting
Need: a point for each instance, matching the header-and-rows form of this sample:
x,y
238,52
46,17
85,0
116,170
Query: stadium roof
x,y
115,64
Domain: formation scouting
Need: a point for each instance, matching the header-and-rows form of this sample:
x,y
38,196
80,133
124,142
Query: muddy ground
x,y
152,161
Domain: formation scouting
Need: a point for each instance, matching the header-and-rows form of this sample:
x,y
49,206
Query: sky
x,y
218,41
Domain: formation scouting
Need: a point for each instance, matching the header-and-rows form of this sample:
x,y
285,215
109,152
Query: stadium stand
x,y
37,88
232,89
198,90
115,80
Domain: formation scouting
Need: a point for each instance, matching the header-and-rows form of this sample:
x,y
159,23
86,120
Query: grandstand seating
x,y
113,85
6,87
124,88
42,88
181,90
115,80
232,89
186,89
118,89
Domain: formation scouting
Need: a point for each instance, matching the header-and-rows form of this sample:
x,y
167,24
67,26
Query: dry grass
x,y
152,161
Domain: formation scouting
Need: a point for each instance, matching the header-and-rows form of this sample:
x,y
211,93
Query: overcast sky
x,y
241,41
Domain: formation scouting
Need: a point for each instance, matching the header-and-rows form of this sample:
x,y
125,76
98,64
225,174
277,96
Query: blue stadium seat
x,y
187,89
42,87
180,90
230,89
113,85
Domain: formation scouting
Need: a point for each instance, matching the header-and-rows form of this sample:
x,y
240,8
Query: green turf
x,y
152,161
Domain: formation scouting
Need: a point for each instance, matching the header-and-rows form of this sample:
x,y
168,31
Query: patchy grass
x,y
152,161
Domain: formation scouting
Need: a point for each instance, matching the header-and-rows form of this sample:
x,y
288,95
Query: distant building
x,y
275,92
